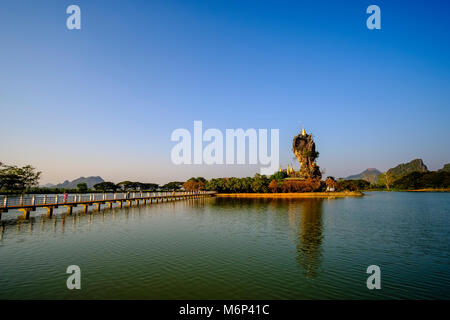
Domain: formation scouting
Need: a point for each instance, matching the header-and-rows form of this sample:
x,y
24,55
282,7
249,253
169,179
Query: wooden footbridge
x,y
29,203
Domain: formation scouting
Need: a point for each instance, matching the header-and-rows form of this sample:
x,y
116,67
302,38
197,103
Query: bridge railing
x,y
58,199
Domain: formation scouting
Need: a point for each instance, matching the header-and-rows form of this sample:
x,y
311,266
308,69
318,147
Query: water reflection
x,y
63,222
306,216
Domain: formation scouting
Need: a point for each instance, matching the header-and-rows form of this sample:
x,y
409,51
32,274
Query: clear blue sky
x,y
104,100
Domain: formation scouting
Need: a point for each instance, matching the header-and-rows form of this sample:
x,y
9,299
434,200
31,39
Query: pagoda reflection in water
x,y
305,216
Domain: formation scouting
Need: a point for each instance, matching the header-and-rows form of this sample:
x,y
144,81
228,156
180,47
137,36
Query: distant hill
x,y
48,185
402,170
369,175
446,168
90,181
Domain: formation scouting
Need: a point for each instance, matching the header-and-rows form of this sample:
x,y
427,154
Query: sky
x,y
104,100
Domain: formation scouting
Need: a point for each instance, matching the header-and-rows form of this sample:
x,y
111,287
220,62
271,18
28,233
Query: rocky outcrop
x,y
405,168
304,149
401,170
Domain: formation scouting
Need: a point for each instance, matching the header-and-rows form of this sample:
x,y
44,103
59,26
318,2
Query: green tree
x,y
424,180
149,186
82,187
385,179
200,179
9,182
125,185
211,185
279,175
260,183
173,186
105,186
18,178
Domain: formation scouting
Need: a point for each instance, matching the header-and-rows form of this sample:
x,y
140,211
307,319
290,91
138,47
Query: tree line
x,y
423,180
277,183
15,179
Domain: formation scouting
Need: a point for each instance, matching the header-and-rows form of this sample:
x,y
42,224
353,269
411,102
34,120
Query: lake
x,y
220,248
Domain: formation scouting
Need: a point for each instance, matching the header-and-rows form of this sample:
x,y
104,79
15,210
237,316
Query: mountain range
x,y
90,181
370,175
374,176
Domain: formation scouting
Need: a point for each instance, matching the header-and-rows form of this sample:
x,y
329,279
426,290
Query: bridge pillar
x,y
85,207
26,212
69,209
110,204
99,206
49,211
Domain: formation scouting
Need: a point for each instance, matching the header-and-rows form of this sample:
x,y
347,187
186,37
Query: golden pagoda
x,y
292,169
303,131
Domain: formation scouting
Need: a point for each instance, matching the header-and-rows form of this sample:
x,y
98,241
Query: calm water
x,y
236,249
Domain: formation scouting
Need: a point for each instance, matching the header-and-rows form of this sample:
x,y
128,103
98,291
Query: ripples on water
x,y
220,248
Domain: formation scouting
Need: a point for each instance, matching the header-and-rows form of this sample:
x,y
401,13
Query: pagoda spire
x,y
303,131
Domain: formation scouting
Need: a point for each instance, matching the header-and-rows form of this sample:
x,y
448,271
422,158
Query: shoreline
x,y
429,190
416,190
292,195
